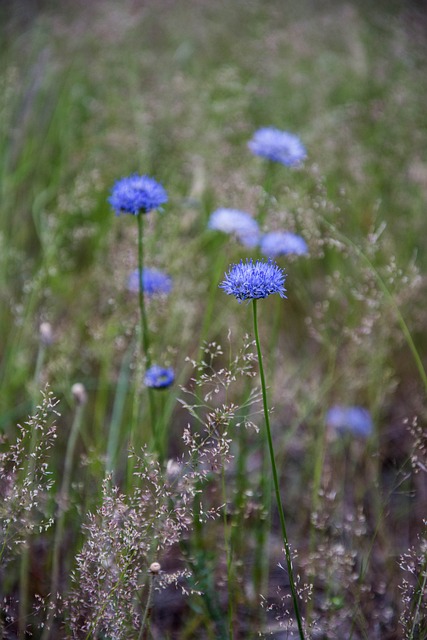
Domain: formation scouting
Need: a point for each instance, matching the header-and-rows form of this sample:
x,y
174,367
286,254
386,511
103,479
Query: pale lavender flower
x,y
157,377
236,222
137,194
278,146
154,282
350,419
279,243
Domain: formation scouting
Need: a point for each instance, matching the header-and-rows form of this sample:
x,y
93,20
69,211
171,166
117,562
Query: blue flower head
x,y
157,377
279,243
354,420
279,146
137,194
154,282
240,223
249,280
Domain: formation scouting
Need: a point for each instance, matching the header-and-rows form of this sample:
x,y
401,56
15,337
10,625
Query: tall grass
x,y
89,94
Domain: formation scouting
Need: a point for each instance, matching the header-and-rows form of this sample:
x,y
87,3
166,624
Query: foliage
x,y
173,93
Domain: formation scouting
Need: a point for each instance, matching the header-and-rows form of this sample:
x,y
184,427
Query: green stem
x,y
144,623
28,473
62,510
276,478
261,561
229,558
23,589
145,340
117,412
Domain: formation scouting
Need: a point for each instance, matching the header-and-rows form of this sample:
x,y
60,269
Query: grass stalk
x,y
275,476
143,631
261,560
117,413
23,590
28,472
389,296
63,500
92,633
319,460
420,593
229,558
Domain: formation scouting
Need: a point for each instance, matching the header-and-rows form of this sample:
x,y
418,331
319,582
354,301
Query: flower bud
x,y
46,333
79,393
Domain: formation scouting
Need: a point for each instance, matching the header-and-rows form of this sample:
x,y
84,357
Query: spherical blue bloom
x,y
354,420
279,146
279,243
154,281
157,377
238,222
249,280
137,194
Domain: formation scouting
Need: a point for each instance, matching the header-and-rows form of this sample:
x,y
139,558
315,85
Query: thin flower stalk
x,y
138,195
275,476
144,332
253,281
143,632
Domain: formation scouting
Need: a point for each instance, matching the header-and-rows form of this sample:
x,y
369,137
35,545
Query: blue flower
x,y
355,420
249,280
238,222
154,282
137,194
157,377
279,243
277,145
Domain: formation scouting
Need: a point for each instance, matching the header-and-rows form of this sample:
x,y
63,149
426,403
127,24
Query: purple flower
x,y
157,377
154,282
240,223
279,243
279,146
249,280
354,420
137,194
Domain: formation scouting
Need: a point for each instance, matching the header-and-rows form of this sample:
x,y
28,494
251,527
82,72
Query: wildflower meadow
x,y
213,310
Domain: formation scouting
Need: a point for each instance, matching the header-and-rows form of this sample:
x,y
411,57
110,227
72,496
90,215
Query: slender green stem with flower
x,y
251,281
145,340
275,475
138,195
144,333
